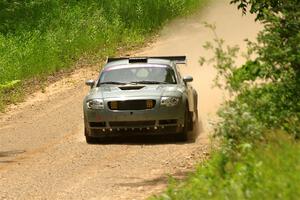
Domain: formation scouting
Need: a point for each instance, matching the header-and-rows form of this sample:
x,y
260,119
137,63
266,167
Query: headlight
x,y
169,101
95,104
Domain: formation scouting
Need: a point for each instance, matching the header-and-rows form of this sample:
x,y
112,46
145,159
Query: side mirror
x,y
90,83
187,79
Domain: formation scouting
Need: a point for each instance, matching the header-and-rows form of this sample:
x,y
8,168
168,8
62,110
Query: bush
x,y
266,89
267,170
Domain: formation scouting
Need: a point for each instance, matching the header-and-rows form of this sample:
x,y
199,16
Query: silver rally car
x,y
140,95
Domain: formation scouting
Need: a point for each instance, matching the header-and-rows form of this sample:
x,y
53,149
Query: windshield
x,y
157,74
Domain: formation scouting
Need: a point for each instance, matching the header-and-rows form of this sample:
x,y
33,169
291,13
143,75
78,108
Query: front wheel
x,y
89,139
187,125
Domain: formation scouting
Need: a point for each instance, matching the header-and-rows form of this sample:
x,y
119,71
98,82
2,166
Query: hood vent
x,y
132,87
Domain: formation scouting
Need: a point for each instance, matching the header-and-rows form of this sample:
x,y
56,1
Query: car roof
x,y
143,62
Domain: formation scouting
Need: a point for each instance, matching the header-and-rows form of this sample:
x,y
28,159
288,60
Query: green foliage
x,y
278,45
238,124
41,37
267,86
9,85
10,92
271,170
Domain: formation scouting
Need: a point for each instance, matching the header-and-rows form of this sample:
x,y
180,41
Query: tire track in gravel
x,y
43,154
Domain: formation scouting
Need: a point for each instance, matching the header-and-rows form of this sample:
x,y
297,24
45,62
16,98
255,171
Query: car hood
x,y
130,91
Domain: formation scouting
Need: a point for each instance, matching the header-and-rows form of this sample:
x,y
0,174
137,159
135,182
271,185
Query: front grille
x,y
132,123
167,121
132,105
97,124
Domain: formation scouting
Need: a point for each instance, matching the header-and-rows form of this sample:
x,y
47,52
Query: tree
x,y
279,44
267,85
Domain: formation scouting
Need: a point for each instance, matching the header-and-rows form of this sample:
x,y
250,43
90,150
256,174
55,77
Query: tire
x,y
190,123
89,139
194,134
185,132
190,129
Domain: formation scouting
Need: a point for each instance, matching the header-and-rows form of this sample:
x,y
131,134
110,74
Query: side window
x,y
170,76
178,75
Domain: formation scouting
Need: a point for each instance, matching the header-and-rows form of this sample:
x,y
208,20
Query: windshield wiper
x,y
149,82
112,82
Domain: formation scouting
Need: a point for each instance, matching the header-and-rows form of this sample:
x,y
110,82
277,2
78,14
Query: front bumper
x,y
159,120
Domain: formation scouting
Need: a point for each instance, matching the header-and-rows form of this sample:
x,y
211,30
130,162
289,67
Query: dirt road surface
x,y
43,154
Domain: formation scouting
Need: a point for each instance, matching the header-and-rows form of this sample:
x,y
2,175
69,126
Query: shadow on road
x,y
11,153
8,155
180,175
141,140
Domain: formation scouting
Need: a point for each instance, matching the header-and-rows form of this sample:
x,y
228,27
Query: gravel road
x,y
43,154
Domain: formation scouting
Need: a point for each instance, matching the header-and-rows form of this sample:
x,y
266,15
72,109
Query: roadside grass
x,y
39,38
267,169
11,94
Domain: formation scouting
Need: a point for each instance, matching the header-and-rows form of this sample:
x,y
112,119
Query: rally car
x,y
140,95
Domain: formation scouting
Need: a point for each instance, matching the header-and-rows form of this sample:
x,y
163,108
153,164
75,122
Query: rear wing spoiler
x,y
176,59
